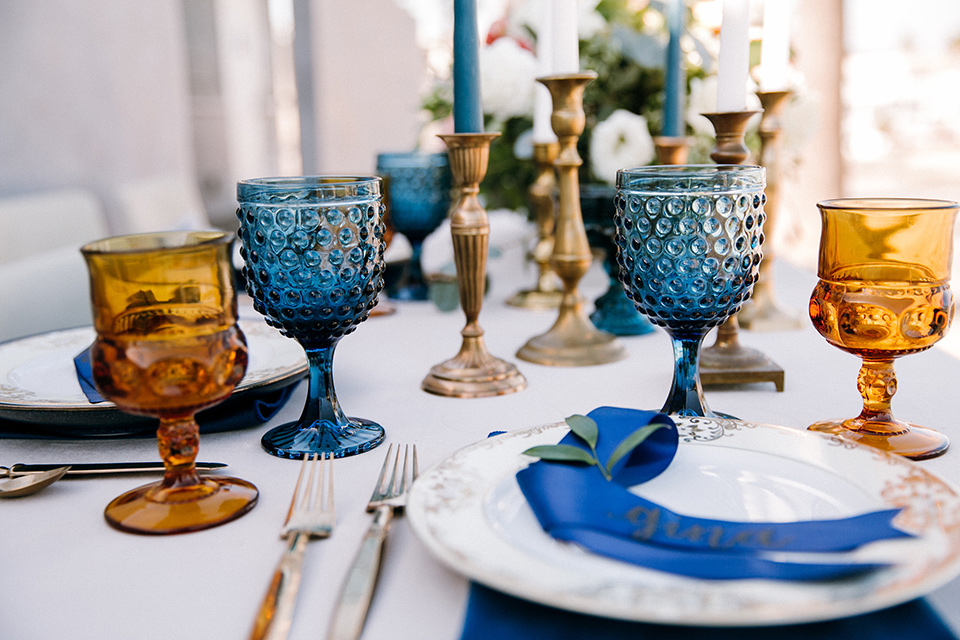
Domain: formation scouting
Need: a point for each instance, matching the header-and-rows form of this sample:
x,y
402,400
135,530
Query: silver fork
x,y
389,497
311,514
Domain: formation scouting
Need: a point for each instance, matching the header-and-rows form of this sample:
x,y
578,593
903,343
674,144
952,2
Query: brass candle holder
x,y
727,361
473,372
572,340
672,149
547,292
763,311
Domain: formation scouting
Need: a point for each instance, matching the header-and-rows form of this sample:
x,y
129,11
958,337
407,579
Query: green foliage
x,y
586,429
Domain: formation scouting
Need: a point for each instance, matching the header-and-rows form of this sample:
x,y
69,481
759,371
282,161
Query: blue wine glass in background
x,y
313,253
613,311
689,248
417,198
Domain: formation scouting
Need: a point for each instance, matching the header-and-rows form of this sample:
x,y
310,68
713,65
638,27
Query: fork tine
x,y
393,477
416,465
296,490
328,497
378,489
403,476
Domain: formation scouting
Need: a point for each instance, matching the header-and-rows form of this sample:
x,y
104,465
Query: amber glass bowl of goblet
x,y
884,293
168,345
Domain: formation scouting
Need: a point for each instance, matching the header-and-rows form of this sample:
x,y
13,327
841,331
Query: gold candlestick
x,y
473,372
672,149
763,312
547,293
727,361
572,340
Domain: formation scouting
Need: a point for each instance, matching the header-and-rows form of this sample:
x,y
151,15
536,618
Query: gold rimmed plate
x,y
470,513
39,390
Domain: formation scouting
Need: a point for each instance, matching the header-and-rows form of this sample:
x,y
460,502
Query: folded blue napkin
x,y
84,368
574,502
491,614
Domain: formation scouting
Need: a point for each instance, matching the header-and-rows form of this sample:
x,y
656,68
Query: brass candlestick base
x,y
473,372
547,294
727,361
572,340
672,149
763,312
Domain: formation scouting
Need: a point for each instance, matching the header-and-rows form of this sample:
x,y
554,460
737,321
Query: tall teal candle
x,y
673,104
467,111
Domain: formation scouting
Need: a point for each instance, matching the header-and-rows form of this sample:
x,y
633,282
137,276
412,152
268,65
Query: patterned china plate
x,y
470,513
38,382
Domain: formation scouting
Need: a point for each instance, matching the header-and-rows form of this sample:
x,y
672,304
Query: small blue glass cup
x,y
417,198
613,311
313,263
689,243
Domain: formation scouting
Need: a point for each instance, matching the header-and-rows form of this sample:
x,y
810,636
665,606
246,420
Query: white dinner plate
x,y
470,513
38,381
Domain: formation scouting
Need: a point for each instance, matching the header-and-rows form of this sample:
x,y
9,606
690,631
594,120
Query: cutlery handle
x,y
351,611
276,613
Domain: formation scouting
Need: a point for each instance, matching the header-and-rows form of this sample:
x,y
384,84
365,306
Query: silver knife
x,y
99,468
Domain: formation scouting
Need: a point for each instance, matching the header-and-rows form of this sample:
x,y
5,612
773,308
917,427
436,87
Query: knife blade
x,y
102,468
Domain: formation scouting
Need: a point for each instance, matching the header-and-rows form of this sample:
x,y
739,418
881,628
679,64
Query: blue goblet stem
x,y
322,410
415,268
686,394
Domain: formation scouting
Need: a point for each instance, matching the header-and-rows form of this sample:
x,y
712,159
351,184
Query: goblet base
x,y
536,299
909,440
411,292
616,314
295,440
153,510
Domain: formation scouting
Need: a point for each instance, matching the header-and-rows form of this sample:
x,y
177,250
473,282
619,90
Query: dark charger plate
x,y
40,395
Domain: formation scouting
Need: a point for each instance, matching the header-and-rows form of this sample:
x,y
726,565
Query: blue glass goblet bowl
x,y
313,262
689,249
418,199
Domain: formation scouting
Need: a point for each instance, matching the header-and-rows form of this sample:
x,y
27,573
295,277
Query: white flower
x,y
622,140
589,20
508,75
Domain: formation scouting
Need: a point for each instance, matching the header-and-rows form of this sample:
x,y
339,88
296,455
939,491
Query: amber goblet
x,y
884,292
168,345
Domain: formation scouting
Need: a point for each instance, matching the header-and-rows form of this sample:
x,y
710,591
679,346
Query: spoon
x,y
30,483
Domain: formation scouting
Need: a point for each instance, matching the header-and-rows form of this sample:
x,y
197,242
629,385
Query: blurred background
x,y
121,117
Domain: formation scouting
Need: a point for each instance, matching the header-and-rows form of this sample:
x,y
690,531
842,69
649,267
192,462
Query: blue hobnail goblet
x,y
689,249
418,199
313,253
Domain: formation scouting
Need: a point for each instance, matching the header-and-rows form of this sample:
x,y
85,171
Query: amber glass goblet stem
x,y
877,382
178,440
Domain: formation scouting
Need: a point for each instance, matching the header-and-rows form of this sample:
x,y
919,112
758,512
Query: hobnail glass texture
x,y
689,243
417,195
613,311
884,292
313,253
168,345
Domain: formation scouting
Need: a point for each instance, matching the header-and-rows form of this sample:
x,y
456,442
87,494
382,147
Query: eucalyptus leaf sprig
x,y
586,429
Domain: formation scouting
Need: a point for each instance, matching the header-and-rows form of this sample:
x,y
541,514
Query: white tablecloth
x,y
68,575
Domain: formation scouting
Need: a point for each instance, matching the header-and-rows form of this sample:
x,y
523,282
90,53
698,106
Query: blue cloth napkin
x,y
575,502
84,368
494,615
